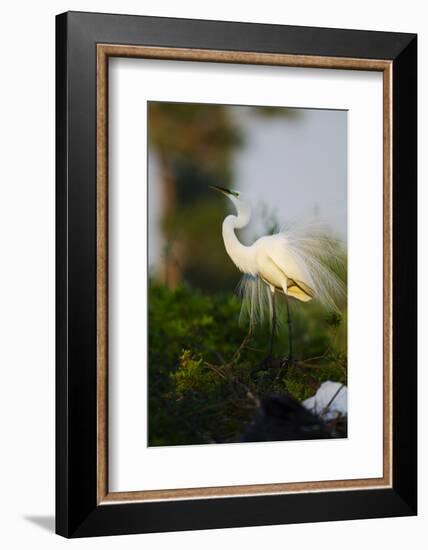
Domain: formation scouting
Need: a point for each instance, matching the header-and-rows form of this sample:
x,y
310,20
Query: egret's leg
x,y
273,327
290,331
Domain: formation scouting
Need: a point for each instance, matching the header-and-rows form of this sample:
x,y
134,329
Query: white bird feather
x,y
298,261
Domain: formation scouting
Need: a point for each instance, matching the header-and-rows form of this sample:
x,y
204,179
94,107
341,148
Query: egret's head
x,y
242,208
225,191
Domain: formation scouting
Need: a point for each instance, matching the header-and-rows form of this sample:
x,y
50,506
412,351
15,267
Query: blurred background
x,y
291,164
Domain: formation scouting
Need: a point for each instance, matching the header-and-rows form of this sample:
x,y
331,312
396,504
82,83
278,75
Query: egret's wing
x,y
295,287
299,290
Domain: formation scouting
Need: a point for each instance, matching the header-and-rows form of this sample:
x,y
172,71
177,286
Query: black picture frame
x,y
77,511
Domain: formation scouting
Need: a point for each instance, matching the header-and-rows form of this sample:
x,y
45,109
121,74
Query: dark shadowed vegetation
x,y
206,373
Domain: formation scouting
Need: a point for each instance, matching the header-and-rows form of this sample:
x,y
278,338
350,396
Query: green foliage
x,y
207,375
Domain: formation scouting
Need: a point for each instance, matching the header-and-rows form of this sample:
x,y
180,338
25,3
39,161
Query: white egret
x,y
296,262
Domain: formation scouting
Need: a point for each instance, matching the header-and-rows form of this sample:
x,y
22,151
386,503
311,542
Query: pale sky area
x,y
295,167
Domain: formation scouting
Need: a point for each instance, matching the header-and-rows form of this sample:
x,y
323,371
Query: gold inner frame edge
x,y
104,51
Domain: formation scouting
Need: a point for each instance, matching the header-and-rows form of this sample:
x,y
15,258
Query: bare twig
x,y
237,353
225,373
326,408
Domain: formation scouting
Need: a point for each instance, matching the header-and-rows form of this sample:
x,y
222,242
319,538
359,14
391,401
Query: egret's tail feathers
x,y
323,260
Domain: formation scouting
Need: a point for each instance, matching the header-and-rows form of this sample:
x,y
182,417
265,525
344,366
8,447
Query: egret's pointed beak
x,y
223,190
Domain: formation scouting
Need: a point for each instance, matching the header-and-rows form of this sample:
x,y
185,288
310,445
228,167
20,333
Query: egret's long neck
x,y
240,254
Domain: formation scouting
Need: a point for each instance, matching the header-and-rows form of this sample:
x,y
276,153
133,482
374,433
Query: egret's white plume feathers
x,y
256,300
300,261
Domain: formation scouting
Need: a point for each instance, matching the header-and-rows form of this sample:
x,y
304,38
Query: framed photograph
x,y
236,274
